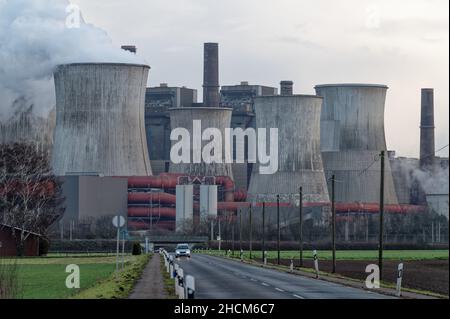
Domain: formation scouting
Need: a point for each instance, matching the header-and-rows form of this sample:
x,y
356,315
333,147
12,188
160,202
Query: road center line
x,y
264,284
299,297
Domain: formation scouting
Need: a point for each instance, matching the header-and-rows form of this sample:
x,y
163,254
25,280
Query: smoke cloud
x,y
35,37
434,181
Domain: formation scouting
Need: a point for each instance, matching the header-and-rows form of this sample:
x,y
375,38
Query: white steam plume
x,y
34,39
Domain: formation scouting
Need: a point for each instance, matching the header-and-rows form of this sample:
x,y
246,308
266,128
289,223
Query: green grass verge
x,y
348,254
49,281
120,288
169,284
45,278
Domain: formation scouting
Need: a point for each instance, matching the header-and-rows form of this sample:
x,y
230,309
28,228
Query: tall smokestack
x,y
211,75
427,149
286,88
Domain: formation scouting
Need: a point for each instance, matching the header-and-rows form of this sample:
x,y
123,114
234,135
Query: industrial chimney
x,y
286,88
100,120
427,146
211,97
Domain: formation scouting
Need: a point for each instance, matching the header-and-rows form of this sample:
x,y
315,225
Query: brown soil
x,y
151,285
429,275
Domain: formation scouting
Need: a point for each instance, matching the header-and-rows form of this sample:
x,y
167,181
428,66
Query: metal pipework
x,y
211,97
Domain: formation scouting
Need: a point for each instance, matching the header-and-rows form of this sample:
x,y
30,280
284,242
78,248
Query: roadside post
x,y
190,287
242,255
118,222
146,245
291,266
399,280
316,263
180,283
265,257
124,237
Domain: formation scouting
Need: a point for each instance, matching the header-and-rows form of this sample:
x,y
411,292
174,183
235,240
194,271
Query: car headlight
x,y
188,252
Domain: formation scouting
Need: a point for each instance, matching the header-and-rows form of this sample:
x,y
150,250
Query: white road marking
x,y
264,284
253,279
299,297
281,290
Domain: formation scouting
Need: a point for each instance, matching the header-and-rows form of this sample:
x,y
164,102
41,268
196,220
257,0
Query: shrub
x,y
136,249
43,246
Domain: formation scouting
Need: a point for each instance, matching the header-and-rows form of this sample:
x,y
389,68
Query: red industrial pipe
x,y
168,180
34,188
153,197
148,211
375,208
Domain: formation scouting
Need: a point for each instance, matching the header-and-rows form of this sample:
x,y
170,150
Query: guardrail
x,y
184,284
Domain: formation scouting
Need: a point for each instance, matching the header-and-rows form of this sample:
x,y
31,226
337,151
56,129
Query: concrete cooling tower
x,y
297,118
352,136
218,118
100,120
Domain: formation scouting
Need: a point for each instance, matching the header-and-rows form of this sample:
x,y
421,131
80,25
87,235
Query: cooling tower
x,y
100,120
297,118
219,118
352,136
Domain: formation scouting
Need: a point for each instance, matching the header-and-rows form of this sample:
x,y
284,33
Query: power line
x,y
367,168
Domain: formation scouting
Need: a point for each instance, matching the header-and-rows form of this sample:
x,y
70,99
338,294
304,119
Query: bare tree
x,y
30,195
104,227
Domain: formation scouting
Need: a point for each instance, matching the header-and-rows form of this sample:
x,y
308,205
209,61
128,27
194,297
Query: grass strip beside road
x,y
344,254
121,288
169,284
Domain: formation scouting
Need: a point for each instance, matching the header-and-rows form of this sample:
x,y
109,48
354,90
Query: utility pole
x,y
263,248
220,236
212,230
240,230
251,230
278,229
300,204
232,236
333,222
380,245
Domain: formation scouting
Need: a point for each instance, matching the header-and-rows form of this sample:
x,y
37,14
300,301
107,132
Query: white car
x,y
182,250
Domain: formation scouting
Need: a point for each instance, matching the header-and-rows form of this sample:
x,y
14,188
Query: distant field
x,y
44,278
351,254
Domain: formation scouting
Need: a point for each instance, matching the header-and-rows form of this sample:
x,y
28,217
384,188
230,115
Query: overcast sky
x,y
403,44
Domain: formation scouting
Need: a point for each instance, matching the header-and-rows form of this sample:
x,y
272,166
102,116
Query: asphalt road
x,y
218,278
